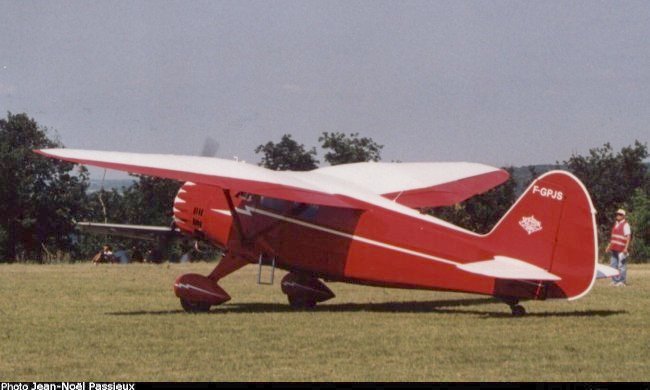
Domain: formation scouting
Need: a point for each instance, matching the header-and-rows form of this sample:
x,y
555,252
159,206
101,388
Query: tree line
x,y
41,198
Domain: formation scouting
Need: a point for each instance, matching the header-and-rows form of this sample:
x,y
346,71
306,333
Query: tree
x,y
611,179
38,196
480,213
101,206
639,217
148,201
287,155
343,149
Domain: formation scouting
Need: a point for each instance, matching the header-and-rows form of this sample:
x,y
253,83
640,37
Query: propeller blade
x,y
210,147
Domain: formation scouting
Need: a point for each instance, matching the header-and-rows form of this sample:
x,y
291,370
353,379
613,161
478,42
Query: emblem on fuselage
x,y
530,224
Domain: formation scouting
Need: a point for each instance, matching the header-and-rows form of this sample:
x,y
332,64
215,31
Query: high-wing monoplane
x,y
360,223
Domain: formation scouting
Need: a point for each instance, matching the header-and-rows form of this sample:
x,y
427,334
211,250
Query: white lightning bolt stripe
x,y
191,287
247,210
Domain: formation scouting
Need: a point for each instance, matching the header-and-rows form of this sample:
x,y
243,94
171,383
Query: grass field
x,y
123,322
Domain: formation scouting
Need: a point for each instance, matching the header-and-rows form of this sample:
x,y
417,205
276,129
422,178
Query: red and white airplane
x,y
359,223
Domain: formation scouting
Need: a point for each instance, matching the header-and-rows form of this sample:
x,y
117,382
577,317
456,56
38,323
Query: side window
x,y
273,204
304,211
310,212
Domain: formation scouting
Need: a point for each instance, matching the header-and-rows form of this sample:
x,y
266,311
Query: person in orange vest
x,y
618,246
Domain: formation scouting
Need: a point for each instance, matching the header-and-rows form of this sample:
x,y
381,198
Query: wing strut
x,y
235,215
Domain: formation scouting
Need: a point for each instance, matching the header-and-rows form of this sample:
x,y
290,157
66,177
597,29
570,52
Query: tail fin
x,y
553,227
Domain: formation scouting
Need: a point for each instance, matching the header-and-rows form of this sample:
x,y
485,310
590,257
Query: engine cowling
x,y
202,211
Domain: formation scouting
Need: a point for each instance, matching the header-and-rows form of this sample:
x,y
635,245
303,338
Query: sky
x,y
494,82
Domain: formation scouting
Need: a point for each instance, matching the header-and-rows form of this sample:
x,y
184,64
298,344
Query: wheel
x,y
194,307
518,310
301,303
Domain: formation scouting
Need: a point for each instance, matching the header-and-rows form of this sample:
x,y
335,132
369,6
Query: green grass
x,y
113,322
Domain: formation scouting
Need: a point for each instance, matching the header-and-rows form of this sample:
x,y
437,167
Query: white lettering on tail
x,y
548,193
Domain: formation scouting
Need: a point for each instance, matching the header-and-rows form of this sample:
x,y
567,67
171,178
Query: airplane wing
x,y
140,232
355,186
226,174
421,184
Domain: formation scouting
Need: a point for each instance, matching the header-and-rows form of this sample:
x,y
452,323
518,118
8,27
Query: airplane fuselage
x,y
375,247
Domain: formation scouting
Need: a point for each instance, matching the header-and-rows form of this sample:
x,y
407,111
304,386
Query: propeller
x,y
210,147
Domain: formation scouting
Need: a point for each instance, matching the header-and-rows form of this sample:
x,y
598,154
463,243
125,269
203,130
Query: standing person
x,y
104,256
618,246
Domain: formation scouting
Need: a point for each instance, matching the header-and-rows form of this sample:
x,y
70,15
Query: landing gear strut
x,y
517,309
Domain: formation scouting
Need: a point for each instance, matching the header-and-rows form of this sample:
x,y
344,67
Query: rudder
x,y
552,226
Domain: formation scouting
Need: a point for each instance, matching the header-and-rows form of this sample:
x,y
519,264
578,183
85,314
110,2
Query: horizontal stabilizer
x,y
604,271
508,268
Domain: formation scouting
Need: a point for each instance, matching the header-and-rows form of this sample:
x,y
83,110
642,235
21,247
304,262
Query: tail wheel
x,y
195,307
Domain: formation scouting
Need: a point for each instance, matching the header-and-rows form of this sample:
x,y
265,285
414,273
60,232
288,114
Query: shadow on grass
x,y
388,307
438,306
507,314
